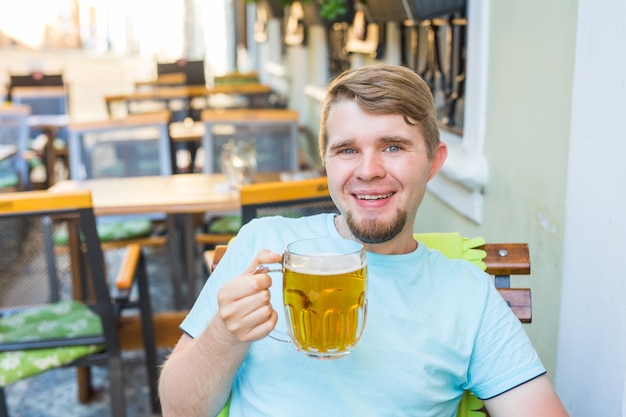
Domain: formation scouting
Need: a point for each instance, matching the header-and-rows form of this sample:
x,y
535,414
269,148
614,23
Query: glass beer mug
x,y
324,295
238,162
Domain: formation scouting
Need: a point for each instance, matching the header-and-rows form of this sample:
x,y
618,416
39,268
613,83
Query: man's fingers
x,y
263,257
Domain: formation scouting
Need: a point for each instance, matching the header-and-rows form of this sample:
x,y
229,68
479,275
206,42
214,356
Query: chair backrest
x,y
294,198
14,132
34,272
34,79
193,70
274,132
46,100
136,145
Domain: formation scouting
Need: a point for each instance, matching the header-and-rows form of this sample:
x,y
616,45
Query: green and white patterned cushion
x,y
110,231
62,319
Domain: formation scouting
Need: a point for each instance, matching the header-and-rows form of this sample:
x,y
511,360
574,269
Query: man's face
x,y
377,168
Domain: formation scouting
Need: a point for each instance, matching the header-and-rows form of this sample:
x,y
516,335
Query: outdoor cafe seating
x,y
58,305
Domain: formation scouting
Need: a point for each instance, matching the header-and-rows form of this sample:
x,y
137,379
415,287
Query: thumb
x,y
263,257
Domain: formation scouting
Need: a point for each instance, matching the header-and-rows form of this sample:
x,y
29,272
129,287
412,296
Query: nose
x,y
370,166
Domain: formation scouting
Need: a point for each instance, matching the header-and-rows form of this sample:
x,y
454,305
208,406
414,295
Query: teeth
x,y
372,197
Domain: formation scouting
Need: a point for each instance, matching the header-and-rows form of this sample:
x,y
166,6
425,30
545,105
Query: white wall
x,y
591,360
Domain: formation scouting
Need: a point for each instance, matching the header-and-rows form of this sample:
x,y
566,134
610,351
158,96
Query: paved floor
x,y
53,394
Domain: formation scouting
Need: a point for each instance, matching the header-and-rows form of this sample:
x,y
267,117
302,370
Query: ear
x,y
439,157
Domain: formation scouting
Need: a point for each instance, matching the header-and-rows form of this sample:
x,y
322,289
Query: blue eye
x,y
393,148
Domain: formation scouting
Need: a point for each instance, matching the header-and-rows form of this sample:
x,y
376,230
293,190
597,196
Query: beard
x,y
374,231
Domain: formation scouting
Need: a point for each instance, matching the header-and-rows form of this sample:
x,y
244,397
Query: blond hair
x,y
384,89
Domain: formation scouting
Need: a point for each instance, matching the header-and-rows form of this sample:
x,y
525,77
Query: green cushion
x,y
455,246
62,319
471,406
126,229
9,179
108,231
230,223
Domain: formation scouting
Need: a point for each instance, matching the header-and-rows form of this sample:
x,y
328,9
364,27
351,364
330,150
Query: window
x,y
463,177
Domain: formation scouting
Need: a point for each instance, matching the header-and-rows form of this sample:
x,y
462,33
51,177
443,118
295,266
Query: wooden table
x,y
187,93
180,196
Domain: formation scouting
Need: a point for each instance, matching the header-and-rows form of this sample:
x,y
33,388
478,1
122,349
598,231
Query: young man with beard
x,y
435,327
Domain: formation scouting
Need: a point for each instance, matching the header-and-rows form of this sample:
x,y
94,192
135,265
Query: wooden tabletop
x,y
48,120
38,92
179,193
164,93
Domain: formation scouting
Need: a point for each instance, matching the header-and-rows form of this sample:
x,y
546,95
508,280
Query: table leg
x,y
177,267
50,154
189,248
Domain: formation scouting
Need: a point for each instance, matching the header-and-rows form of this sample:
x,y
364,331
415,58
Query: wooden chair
x,y
192,70
49,117
67,285
47,100
14,171
274,131
173,79
35,79
500,260
136,145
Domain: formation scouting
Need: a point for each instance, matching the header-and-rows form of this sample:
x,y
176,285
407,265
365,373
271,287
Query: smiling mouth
x,y
372,197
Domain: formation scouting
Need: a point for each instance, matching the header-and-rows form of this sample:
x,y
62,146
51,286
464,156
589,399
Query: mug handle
x,y
276,334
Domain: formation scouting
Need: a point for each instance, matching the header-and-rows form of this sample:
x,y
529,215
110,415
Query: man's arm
x,y
197,377
535,398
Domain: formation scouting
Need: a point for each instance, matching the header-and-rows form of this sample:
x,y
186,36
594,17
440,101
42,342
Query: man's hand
x,y
244,302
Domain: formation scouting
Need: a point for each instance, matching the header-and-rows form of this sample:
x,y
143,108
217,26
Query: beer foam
x,y
326,264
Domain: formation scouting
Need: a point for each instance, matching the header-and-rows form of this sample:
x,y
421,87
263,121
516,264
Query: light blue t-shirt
x,y
435,327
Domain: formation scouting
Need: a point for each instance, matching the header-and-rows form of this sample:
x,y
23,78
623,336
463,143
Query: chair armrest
x,y
507,258
126,273
212,257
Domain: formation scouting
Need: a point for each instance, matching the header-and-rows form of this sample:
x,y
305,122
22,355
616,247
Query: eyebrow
x,y
396,139
347,143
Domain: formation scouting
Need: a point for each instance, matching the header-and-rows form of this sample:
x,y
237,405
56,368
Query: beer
x,y
325,310
324,295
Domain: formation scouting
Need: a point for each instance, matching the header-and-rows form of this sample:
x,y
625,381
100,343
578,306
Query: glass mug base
x,y
284,337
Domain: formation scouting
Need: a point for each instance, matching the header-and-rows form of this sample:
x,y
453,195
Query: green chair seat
x,y
114,230
230,223
9,179
35,324
125,229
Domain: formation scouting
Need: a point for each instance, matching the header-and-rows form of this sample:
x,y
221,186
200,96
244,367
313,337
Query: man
x,y
435,327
